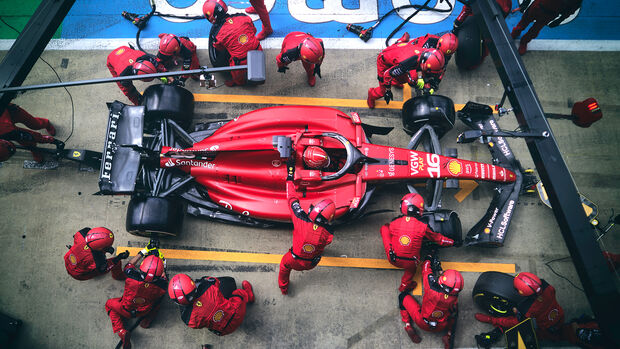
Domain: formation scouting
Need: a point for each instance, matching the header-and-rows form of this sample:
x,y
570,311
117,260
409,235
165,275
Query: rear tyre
x,y
153,215
494,293
168,102
435,110
469,52
447,223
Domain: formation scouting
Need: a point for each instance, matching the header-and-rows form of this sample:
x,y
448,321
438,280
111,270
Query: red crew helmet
x,y
451,282
432,61
527,284
315,157
168,46
412,204
214,10
151,267
448,44
99,238
144,67
311,51
181,289
7,149
322,212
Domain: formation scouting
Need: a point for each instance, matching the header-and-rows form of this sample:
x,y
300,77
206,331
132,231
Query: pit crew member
x,y
10,133
542,12
304,47
504,5
171,48
402,238
311,232
144,289
405,64
214,303
439,309
125,61
86,258
447,44
233,33
258,7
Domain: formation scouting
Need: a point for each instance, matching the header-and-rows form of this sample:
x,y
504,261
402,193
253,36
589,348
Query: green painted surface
x,y
17,13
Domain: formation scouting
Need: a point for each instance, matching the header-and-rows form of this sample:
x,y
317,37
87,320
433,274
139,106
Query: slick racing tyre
x,y
494,293
435,110
168,102
469,52
152,215
218,58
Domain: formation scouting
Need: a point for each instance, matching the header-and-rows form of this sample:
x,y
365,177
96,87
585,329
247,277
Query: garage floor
x,y
329,307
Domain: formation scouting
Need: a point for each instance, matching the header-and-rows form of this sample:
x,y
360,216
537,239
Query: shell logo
x,y
445,296
146,284
120,51
428,65
308,248
315,227
404,240
437,314
86,247
198,303
553,314
407,219
243,39
139,300
230,21
131,61
72,259
455,167
218,316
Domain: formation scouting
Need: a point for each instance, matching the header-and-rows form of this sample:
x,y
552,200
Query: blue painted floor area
x,y
596,20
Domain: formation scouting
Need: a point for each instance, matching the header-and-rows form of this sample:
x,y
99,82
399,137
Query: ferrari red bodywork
x,y
243,171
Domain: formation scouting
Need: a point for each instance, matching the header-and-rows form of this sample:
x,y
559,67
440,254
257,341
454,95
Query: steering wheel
x,y
353,156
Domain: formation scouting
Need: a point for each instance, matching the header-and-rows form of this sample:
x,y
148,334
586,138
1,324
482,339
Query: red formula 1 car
x,y
235,171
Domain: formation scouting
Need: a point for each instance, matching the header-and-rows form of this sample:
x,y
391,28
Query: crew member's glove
x,y
123,255
317,70
435,263
164,80
420,84
431,91
143,252
283,69
109,249
290,169
388,96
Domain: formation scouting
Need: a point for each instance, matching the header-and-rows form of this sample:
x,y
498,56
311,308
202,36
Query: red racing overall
x,y
309,241
187,53
291,50
120,63
8,131
402,240
437,307
544,309
218,306
541,12
504,5
84,263
235,34
139,298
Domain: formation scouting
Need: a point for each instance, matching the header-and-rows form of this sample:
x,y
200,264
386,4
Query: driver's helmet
x,y
315,157
311,51
144,67
7,149
322,212
214,10
181,289
447,44
432,61
99,238
151,267
527,284
169,46
451,282
412,204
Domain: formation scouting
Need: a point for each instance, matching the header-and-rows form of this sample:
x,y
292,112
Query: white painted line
x,y
330,43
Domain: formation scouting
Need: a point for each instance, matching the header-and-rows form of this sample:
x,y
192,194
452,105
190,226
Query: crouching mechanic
x,y
402,238
86,258
447,44
144,289
233,33
125,61
439,309
214,303
311,231
539,304
172,47
403,63
304,47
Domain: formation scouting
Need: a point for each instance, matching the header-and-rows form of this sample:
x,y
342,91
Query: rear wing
x,y
120,163
491,229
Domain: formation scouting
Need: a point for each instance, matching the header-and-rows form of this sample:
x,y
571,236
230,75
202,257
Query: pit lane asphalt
x,y
327,307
